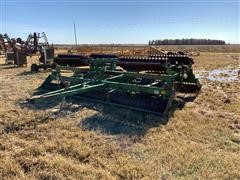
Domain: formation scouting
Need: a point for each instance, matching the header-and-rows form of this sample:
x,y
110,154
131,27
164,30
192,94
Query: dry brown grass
x,y
210,60
139,49
201,141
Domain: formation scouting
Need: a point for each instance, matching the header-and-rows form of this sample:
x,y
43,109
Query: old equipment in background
x,y
16,50
46,59
46,53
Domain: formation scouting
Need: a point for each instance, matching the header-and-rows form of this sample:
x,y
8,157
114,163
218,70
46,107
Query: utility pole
x,y
75,34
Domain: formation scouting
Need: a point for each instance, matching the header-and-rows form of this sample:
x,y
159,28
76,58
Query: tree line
x,y
187,42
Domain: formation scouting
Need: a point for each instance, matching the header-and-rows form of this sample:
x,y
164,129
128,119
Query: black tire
x,y
34,68
181,53
170,53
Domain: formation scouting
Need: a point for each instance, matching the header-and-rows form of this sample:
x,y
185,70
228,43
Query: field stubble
x,y
88,140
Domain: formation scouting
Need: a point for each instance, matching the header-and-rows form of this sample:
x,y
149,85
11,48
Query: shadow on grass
x,y
25,73
111,119
7,66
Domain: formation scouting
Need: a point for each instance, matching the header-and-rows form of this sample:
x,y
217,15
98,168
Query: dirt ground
x,y
200,138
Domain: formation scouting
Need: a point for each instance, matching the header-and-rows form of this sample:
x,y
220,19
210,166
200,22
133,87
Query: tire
x,y
180,52
170,53
34,68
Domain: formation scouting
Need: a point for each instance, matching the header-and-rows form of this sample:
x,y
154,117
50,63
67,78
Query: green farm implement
x,y
143,84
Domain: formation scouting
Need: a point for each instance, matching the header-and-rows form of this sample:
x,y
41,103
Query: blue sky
x,y
121,21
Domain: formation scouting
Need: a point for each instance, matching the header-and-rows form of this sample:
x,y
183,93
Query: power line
x,y
156,22
174,21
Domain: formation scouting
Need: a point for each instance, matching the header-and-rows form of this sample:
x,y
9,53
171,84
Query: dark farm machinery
x,y
145,84
16,50
46,53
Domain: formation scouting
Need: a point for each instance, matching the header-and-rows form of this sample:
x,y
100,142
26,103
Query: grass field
x,y
199,140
